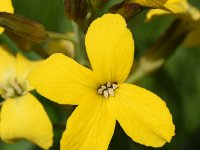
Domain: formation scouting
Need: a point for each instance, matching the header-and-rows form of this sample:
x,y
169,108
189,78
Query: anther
x,y
105,94
111,92
100,91
107,89
103,87
109,84
114,86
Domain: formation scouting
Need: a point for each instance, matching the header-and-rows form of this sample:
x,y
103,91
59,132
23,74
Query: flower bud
x,y
127,10
76,10
23,27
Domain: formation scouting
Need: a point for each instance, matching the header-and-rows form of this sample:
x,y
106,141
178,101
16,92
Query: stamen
x,y
111,92
12,89
105,94
8,93
109,84
103,87
107,89
114,86
100,91
16,87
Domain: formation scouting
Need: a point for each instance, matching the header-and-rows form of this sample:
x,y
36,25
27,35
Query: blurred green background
x,y
178,82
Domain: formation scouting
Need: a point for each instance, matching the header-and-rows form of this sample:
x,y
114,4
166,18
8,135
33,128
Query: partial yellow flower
x,y
22,115
193,38
101,94
183,10
180,7
151,3
6,6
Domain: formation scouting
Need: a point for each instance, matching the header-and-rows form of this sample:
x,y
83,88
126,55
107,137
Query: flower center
x,y
107,89
13,89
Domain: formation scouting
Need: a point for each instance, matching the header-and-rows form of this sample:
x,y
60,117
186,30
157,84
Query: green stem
x,y
136,75
80,53
59,126
10,43
60,36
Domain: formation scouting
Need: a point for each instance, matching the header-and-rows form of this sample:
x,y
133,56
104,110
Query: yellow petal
x,y
61,79
6,6
25,118
143,115
90,126
24,67
110,48
7,67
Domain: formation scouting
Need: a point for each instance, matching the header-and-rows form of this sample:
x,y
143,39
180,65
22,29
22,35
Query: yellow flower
x,y
22,115
6,6
101,95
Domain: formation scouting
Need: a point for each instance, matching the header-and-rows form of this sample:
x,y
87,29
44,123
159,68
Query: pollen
x,y
107,89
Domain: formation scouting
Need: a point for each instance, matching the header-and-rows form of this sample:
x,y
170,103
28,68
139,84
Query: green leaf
x,y
184,69
22,145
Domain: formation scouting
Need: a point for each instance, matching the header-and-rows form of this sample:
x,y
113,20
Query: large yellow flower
x,y
101,95
6,6
22,115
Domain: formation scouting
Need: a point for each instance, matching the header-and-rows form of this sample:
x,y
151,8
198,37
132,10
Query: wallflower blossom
x,y
6,6
101,94
22,115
